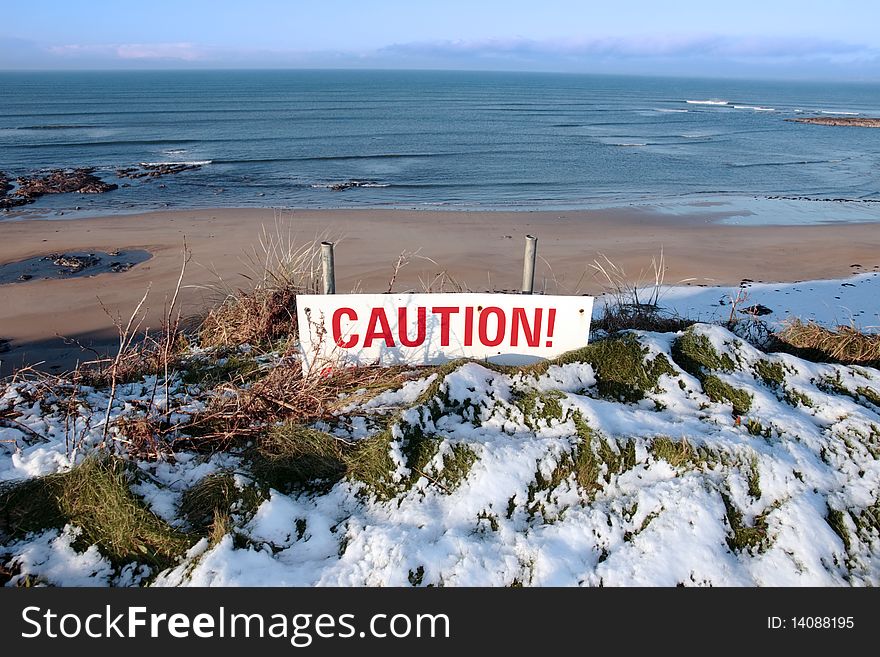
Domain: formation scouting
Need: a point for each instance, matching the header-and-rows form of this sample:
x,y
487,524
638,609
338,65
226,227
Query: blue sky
x,y
768,38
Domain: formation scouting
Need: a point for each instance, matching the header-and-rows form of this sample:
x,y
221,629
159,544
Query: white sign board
x,y
426,329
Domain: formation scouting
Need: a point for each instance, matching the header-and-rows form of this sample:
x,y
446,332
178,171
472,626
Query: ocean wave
x,y
666,110
833,113
707,102
175,151
99,144
756,108
348,184
630,144
371,156
55,127
746,165
191,163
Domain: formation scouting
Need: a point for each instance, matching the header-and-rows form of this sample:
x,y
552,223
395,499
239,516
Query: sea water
x,y
447,140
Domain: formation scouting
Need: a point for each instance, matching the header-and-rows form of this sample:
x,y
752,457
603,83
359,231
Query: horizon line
x,y
392,69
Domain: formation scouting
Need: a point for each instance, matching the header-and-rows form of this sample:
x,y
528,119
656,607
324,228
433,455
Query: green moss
x,y
719,391
695,354
370,463
680,453
772,374
834,385
457,463
415,577
628,536
291,455
536,406
870,395
96,497
795,397
867,522
755,428
742,536
209,505
622,373
836,521
489,518
753,481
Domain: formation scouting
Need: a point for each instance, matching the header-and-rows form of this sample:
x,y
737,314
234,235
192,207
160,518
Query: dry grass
x,y
635,302
263,310
243,410
94,496
847,344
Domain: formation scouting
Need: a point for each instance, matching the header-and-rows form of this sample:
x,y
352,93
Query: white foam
x,y
707,102
755,108
663,109
629,144
192,163
839,113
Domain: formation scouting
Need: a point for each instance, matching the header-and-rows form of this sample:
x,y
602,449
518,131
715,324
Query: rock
x,y
146,170
118,267
757,310
852,121
57,181
25,277
350,184
71,263
5,345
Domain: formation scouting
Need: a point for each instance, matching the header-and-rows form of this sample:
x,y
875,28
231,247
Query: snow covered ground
x,y
657,459
852,301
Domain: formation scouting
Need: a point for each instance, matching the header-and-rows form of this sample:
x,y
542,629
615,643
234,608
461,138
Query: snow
x,y
51,556
829,302
648,522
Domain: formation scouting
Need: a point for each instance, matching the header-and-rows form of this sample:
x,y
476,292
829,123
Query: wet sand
x,y
482,250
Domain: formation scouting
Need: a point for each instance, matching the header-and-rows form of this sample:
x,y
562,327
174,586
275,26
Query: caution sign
x,y
427,329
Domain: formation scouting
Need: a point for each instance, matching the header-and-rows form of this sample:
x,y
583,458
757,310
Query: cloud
x,y
186,52
689,54
633,47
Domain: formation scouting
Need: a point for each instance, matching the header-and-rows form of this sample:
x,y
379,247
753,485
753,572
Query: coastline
x,y
481,250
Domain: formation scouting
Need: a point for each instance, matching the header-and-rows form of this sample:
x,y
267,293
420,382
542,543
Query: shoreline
x,y
480,249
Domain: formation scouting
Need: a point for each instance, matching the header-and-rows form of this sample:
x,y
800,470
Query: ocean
x,y
446,140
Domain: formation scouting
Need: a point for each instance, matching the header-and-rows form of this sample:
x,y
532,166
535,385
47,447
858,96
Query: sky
x,y
745,38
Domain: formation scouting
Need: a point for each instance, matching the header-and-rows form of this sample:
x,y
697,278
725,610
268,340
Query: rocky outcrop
x,y
7,202
350,184
852,121
72,263
57,181
156,170
63,181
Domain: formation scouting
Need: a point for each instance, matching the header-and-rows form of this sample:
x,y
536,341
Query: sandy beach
x,y
481,250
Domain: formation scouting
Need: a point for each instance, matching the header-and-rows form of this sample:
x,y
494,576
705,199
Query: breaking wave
x,y
191,163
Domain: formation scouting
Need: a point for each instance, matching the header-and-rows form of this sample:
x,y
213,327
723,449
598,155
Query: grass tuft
x,y
847,344
291,455
96,497
622,373
744,537
695,354
719,391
